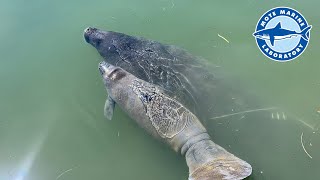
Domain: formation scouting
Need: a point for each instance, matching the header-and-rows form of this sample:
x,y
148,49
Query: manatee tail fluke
x,y
304,33
207,160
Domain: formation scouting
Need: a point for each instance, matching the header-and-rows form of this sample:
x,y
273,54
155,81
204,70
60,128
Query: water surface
x,y
52,96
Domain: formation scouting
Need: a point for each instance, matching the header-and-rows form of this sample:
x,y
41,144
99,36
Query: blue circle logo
x,y
282,34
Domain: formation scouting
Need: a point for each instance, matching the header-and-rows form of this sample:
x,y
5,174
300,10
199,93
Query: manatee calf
x,y
169,121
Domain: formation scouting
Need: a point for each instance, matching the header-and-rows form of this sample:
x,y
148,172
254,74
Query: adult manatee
x,y
169,121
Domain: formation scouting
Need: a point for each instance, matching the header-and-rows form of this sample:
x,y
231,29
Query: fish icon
x,y
279,33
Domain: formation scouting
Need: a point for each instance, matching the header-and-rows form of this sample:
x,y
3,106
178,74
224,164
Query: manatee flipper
x,y
109,107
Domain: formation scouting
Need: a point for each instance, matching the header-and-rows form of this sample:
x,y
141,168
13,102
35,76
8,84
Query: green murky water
x,y
52,96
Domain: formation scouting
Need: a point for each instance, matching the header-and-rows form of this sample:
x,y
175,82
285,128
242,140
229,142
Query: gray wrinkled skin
x,y
169,121
167,115
181,75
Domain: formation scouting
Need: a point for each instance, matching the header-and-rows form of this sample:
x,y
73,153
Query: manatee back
x,y
167,115
199,86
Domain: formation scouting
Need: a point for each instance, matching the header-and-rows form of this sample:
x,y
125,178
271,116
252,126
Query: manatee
x,y
171,122
183,76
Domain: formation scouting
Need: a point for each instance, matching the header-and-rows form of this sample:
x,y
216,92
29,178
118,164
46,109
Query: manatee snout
x,y
105,68
89,30
103,41
101,68
95,37
110,72
88,33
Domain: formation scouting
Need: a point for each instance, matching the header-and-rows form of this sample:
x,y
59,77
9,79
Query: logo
x,y
282,34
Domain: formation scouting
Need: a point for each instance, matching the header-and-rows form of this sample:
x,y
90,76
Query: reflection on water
x,y
26,164
52,96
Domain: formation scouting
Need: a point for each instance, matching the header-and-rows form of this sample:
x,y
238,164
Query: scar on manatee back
x,y
167,116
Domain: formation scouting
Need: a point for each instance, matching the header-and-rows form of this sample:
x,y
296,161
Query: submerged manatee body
x,y
169,121
183,76
240,121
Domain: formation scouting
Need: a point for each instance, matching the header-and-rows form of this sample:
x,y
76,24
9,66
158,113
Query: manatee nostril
x,y
101,70
87,33
89,30
101,63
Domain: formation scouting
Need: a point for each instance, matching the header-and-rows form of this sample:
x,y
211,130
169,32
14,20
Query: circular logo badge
x,y
282,34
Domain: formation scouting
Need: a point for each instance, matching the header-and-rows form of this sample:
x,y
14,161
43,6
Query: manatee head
x,y
110,74
112,46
